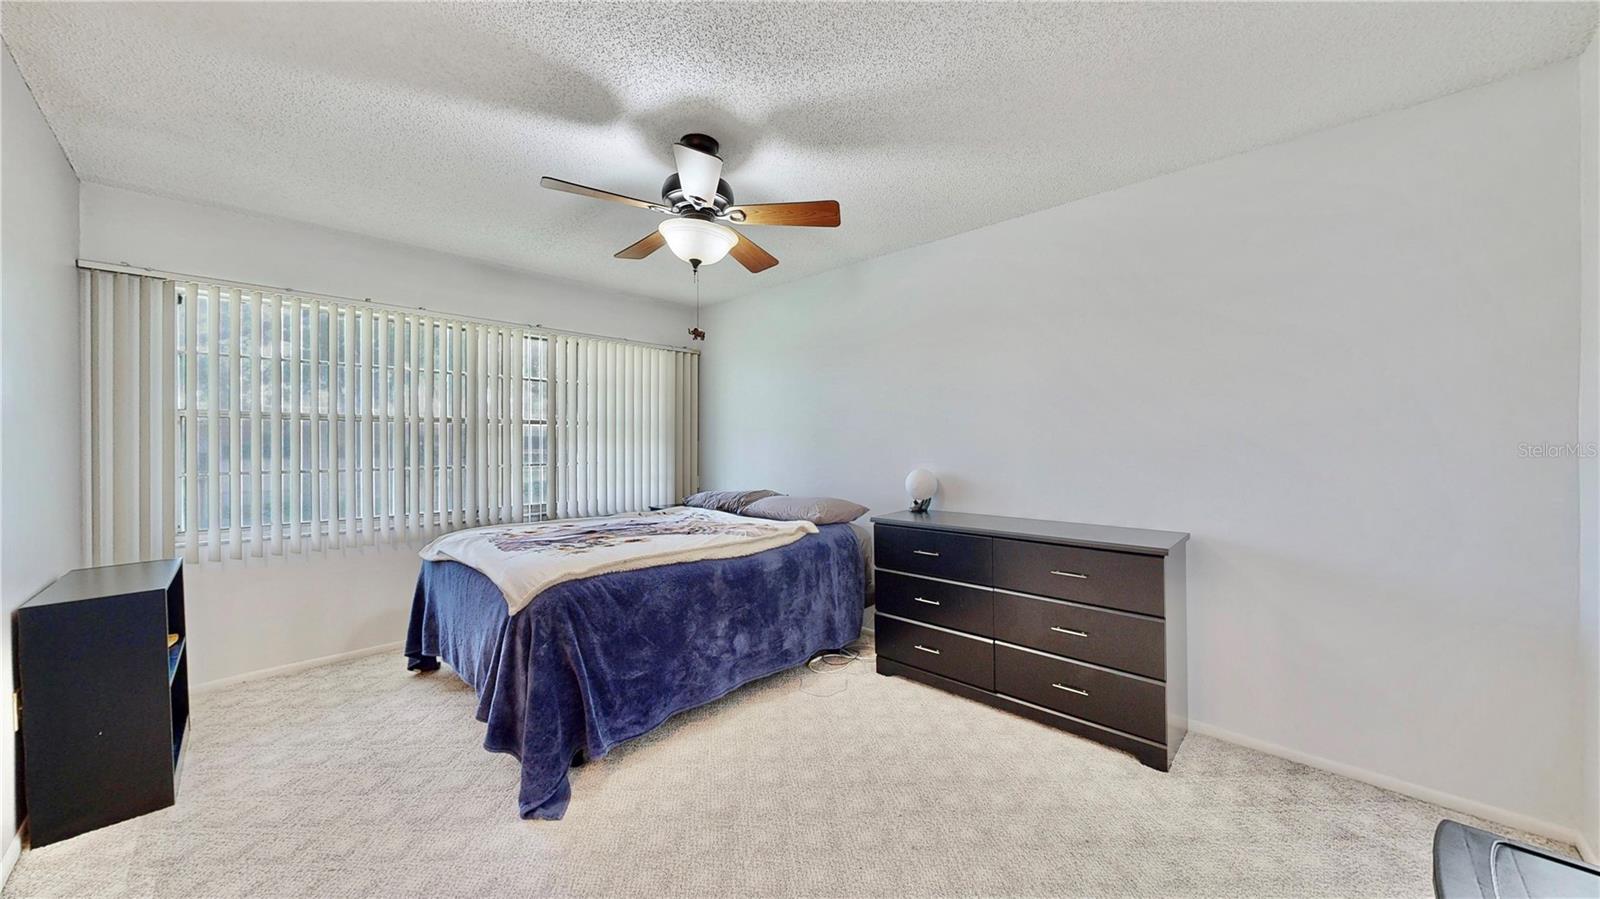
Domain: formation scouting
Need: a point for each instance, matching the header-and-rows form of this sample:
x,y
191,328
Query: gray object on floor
x,y
1469,863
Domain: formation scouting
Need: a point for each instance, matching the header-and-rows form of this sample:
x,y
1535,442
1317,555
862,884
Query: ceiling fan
x,y
701,207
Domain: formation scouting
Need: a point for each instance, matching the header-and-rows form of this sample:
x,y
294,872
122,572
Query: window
x,y
307,420
226,421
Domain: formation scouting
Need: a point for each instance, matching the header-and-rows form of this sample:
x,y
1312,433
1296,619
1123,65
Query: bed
x,y
589,663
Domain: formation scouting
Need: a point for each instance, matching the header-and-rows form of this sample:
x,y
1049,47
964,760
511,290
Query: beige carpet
x,y
358,779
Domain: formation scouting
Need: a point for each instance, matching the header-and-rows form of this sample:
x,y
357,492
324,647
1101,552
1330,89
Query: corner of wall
x,y
1589,472
39,340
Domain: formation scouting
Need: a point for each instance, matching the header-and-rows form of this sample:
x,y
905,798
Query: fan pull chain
x,y
695,333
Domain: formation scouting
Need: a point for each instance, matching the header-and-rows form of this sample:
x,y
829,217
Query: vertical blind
x,y
623,432
305,424
128,416
236,423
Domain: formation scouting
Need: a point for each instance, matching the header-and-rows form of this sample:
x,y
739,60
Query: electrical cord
x,y
830,661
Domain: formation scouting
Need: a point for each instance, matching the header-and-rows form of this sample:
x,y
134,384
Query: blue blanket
x,y
591,663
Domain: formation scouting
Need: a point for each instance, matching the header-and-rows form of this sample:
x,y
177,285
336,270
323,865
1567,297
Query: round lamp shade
x,y
698,239
921,484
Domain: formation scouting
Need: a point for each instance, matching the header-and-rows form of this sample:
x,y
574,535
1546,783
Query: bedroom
x,y
1264,335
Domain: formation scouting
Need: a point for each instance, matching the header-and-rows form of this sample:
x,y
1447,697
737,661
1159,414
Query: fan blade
x,y
751,256
698,174
810,214
643,247
598,194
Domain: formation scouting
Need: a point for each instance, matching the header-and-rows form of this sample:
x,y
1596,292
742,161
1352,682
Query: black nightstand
x,y
105,698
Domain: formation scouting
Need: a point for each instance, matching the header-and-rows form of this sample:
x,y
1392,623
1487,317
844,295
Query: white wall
x,y
188,238
245,617
40,509
1319,358
1588,694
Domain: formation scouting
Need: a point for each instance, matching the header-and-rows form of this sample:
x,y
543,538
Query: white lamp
x,y
697,241
921,485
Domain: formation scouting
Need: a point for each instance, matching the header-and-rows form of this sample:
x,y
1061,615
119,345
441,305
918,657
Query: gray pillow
x,y
815,509
733,501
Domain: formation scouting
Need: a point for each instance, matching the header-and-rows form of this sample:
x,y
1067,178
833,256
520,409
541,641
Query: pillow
x,y
815,509
727,500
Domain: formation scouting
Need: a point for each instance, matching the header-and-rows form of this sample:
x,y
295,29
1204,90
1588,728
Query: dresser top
x,y
109,580
1098,536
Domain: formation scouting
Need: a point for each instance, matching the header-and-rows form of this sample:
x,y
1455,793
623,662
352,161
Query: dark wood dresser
x,y
1078,626
104,684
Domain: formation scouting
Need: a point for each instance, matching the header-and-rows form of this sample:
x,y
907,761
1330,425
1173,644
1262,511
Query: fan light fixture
x,y
697,241
699,202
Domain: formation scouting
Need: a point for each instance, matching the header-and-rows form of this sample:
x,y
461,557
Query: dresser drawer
x,y
1115,700
1114,639
956,557
1094,576
956,656
936,602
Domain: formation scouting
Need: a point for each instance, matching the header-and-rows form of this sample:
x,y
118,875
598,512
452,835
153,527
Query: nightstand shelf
x,y
174,657
105,700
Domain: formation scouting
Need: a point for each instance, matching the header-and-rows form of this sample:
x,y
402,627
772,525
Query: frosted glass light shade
x,y
692,239
698,174
921,485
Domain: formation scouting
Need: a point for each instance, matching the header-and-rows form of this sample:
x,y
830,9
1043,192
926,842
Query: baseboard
x,y
9,859
292,667
1461,804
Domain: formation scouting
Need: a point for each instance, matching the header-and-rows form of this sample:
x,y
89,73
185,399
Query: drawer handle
x,y
923,552
936,652
931,602
1063,630
1081,577
1064,687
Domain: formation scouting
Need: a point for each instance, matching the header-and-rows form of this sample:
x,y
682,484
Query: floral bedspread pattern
x,y
524,560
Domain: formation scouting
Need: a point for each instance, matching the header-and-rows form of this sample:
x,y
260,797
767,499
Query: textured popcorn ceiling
x,y
431,124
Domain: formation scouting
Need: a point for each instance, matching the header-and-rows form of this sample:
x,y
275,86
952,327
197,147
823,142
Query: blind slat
x,y
474,491
212,469
447,459
272,463
365,367
430,494
348,349
234,375
316,463
105,510
383,442
297,434
415,410
260,453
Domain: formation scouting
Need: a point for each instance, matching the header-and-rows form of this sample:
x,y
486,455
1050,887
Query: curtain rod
x,y
126,269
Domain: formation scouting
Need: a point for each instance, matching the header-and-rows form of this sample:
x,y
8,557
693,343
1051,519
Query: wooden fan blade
x,y
751,256
810,214
644,246
598,194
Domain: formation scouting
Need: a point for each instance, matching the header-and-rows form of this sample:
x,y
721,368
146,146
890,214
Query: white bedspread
x,y
524,560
